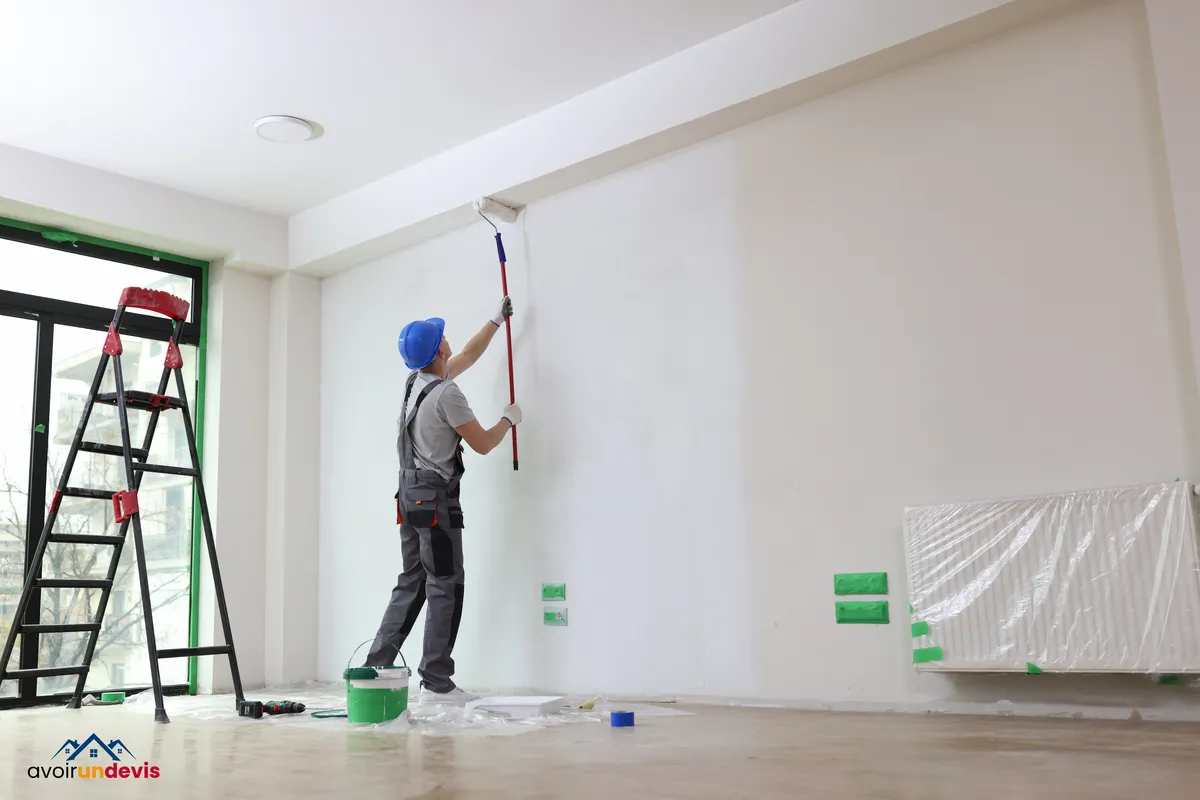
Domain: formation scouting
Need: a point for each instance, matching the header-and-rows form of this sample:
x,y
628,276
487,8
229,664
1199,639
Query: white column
x,y
293,473
235,470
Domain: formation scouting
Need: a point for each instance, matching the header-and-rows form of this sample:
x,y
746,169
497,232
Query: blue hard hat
x,y
419,342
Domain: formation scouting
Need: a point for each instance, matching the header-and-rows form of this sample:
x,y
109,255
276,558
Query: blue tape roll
x,y
621,719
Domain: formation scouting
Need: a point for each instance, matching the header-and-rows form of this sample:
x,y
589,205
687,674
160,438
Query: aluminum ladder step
x,y
84,538
143,401
46,672
70,627
166,469
92,494
185,652
112,450
73,583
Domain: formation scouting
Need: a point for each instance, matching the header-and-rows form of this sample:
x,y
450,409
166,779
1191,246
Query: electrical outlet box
x,y
552,592
554,616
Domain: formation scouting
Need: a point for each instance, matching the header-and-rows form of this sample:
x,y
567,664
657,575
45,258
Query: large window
x,y
18,345
56,301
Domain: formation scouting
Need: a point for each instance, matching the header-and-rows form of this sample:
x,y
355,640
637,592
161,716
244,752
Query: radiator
x,y
1095,581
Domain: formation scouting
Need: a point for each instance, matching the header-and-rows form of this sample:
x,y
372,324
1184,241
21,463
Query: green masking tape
x,y
60,236
920,629
1033,669
923,655
1168,680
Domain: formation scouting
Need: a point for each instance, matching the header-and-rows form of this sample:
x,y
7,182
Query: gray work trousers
x,y
433,572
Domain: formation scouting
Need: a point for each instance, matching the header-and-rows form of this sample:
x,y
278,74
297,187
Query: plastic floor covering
x,y
419,720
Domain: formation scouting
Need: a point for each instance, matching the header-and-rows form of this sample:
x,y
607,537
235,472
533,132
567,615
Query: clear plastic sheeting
x,y
1092,581
419,720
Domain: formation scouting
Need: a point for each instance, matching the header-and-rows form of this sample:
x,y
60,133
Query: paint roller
x,y
490,209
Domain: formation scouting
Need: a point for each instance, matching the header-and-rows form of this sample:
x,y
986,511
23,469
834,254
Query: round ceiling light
x,y
283,129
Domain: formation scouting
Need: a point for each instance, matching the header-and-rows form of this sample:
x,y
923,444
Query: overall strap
x,y
404,444
429,387
459,466
408,466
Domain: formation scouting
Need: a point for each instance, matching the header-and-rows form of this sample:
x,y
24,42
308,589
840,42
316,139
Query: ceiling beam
x,y
803,51
49,191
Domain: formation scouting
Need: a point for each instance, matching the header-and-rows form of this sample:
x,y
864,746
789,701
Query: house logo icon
x,y
94,758
94,749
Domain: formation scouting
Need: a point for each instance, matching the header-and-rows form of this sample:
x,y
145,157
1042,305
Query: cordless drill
x,y
254,709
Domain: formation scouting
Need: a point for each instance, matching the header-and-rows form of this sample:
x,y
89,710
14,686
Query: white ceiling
x,y
167,90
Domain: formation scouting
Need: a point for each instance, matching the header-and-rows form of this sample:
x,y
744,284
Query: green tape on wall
x,y
1033,669
920,629
865,612
860,583
924,655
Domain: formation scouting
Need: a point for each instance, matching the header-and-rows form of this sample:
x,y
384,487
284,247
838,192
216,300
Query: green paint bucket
x,y
376,694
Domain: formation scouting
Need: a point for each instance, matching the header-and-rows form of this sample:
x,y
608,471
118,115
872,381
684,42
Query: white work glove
x,y
513,414
506,311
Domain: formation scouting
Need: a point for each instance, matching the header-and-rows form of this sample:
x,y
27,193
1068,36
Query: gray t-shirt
x,y
435,442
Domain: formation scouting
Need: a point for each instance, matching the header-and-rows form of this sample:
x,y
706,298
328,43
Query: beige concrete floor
x,y
718,753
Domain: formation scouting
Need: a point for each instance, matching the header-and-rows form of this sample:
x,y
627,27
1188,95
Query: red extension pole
x,y
512,387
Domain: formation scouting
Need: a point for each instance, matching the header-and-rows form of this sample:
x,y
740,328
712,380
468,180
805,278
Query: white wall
x,y
612,452
1174,27
740,362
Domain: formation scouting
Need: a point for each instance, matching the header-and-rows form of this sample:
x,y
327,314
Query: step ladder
x,y
125,507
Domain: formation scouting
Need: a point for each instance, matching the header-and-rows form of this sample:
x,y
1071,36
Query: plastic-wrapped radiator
x,y
1092,581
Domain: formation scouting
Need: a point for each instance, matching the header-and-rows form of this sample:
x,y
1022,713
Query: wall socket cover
x,y
554,591
554,616
873,612
860,583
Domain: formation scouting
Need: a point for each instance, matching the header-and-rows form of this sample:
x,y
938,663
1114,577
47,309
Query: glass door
x,y
18,351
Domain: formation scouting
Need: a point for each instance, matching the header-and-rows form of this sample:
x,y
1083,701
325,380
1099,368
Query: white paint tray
x,y
533,706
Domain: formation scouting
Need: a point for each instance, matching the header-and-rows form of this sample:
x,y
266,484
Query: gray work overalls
x,y
430,518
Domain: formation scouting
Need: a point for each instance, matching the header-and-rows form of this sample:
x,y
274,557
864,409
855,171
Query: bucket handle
x,y
403,662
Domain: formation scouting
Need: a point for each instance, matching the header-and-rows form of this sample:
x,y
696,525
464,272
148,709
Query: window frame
x,y
82,315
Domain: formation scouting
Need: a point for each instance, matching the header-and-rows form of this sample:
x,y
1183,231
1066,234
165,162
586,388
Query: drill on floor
x,y
254,709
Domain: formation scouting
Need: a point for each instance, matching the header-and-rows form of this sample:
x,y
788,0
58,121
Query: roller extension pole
x,y
512,388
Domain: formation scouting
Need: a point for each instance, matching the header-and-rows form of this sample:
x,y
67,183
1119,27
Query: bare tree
x,y
120,630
